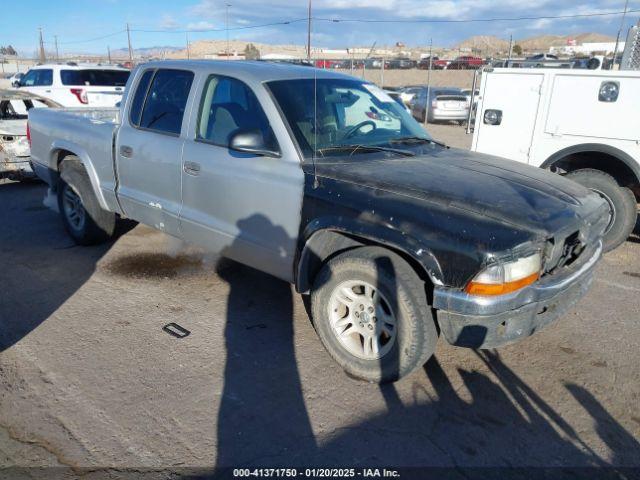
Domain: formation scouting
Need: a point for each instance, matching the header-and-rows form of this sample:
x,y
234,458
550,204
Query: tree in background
x,y
517,49
251,52
8,50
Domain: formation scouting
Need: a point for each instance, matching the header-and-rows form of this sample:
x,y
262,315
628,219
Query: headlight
x,y
506,277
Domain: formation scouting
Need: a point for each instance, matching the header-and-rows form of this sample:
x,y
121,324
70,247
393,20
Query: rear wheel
x,y
84,220
370,311
622,204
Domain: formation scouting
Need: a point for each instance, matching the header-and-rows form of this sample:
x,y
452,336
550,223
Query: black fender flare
x,y
357,233
624,157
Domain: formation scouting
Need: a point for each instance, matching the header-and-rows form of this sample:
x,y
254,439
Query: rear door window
x,y
166,101
138,100
94,77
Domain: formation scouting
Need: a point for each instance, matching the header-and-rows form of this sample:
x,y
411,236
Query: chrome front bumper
x,y
488,322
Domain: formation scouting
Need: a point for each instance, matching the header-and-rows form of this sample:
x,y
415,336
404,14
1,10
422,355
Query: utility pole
x,y
188,52
309,32
428,102
615,50
42,55
55,37
227,21
129,41
364,63
510,47
109,53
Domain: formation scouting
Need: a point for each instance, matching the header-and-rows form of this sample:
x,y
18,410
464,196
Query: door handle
x,y
126,151
192,168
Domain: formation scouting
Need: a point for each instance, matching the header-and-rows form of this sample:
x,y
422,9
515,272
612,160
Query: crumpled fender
x,y
360,229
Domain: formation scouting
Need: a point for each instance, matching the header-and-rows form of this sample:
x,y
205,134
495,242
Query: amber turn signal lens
x,y
488,289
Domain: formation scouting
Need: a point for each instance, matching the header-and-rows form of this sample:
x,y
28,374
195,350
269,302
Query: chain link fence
x,y
631,55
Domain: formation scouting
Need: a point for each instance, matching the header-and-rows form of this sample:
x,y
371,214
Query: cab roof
x,y
255,70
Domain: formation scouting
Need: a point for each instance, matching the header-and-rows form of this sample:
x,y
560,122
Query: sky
x,y
79,23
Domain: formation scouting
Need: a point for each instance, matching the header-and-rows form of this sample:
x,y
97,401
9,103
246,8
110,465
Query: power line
x,y
196,30
91,39
356,20
474,20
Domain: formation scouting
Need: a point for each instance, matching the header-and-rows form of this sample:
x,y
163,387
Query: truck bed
x,y
88,133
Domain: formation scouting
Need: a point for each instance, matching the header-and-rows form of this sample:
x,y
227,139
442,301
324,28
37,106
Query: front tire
x,y
84,220
621,200
370,311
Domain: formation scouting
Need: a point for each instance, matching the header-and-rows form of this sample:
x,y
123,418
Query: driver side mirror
x,y
252,141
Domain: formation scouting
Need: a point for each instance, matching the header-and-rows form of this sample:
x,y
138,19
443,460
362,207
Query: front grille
x,y
563,252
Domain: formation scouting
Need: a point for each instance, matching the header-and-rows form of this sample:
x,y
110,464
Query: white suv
x,y
73,85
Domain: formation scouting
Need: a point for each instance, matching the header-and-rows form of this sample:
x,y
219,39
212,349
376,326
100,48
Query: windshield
x,y
346,113
95,78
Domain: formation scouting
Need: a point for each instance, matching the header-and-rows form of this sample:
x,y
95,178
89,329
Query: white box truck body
x,y
580,123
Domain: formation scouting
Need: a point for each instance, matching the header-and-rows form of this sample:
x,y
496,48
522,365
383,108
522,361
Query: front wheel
x,y
370,310
622,204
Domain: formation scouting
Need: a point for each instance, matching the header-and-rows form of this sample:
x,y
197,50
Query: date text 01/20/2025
x,y
315,473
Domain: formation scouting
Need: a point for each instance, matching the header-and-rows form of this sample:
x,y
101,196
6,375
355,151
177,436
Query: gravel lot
x,y
88,378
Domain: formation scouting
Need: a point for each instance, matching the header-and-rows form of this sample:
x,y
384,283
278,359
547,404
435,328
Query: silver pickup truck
x,y
324,181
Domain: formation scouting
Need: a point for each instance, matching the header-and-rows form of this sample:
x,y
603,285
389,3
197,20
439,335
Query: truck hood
x,y
507,191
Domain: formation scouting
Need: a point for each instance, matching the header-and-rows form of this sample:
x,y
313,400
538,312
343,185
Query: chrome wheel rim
x,y
612,209
73,209
362,320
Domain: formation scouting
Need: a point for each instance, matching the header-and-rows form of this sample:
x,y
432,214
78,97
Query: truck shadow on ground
x,y
40,266
476,419
499,421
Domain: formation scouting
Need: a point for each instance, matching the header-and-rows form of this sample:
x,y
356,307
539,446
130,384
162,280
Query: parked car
x,y
542,56
408,93
397,97
436,63
373,63
466,63
73,85
400,64
324,181
579,123
15,79
442,105
14,144
467,93
589,63
472,102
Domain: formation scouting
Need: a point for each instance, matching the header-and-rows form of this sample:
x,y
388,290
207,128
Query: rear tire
x,y
621,200
395,315
84,220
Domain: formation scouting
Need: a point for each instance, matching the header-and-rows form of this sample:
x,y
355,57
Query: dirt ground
x,y
402,78
89,379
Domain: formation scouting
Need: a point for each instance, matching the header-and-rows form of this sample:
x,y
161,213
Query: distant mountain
x,y
544,42
484,43
145,52
492,44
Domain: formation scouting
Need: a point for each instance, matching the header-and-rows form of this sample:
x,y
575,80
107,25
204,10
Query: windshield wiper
x,y
415,140
352,149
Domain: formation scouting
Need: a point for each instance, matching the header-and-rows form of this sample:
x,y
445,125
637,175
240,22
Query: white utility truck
x,y
584,124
